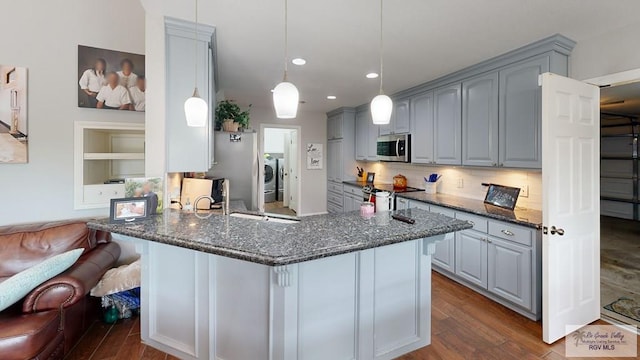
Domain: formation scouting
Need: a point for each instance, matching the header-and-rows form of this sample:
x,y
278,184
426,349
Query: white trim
x,y
297,128
615,79
313,214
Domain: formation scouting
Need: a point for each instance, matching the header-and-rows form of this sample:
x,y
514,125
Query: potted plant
x,y
229,116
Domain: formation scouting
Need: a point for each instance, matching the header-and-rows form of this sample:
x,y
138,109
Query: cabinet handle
x,y
471,222
501,165
489,240
507,232
100,193
494,164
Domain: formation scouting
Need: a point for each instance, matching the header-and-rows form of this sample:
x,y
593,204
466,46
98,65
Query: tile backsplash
x,y
470,178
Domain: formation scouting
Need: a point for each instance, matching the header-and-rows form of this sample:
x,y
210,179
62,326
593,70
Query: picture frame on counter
x,y
129,209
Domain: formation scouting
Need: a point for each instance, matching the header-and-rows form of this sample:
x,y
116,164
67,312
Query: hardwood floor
x,y
465,325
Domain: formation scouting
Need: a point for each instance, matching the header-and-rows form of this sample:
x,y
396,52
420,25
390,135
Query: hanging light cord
x,y
381,49
286,38
195,53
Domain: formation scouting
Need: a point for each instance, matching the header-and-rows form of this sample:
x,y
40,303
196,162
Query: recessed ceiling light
x,y
372,75
299,61
331,97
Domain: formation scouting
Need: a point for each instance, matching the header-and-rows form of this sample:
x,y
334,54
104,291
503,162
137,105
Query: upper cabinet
x,y
480,120
400,122
366,137
188,148
422,129
520,113
335,124
447,124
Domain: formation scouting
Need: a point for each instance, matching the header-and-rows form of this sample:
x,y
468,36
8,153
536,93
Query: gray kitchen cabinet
x,y
400,122
422,129
520,119
188,148
334,160
334,127
340,155
366,137
444,257
352,198
509,271
447,125
471,257
480,120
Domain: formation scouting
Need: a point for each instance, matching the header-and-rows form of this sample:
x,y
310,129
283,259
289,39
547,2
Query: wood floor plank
x,y
153,354
111,345
90,341
131,349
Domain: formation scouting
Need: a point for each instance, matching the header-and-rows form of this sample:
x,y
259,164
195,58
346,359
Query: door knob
x,y
555,230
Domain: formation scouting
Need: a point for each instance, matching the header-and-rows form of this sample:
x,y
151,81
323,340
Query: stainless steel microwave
x,y
394,148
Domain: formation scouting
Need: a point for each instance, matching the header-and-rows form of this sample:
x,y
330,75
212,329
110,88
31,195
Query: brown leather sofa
x,y
50,320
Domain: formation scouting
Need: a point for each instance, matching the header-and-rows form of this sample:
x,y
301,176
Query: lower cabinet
x,y
498,259
471,257
352,198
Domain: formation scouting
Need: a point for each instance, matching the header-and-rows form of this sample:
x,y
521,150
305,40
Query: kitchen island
x,y
326,287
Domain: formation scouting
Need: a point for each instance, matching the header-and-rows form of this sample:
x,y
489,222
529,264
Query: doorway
x,y
280,156
620,205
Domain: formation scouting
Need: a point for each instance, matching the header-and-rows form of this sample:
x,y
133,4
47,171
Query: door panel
x,y
570,202
447,129
401,118
480,121
510,271
471,257
519,116
422,129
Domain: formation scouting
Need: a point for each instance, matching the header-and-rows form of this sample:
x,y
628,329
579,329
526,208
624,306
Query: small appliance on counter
x,y
370,191
399,182
384,201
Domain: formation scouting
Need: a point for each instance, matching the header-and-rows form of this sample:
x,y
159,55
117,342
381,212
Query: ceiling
x,y
424,39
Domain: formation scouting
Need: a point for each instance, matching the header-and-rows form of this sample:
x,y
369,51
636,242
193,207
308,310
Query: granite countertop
x,y
520,216
275,244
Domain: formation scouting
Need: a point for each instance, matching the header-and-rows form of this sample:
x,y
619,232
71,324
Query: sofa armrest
x,y
75,283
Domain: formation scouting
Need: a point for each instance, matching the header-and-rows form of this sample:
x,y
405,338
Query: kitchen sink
x,y
265,217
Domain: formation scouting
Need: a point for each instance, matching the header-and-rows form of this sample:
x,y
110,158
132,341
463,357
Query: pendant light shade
x,y
381,107
195,108
285,94
285,100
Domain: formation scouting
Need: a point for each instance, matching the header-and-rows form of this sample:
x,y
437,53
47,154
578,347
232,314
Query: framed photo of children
x,y
109,79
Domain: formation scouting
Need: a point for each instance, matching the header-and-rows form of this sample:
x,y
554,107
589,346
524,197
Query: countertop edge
x,y
267,260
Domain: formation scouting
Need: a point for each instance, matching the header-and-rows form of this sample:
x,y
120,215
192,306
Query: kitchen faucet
x,y
225,197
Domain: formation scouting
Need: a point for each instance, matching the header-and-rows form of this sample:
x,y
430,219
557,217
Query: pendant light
x,y
285,94
195,108
381,105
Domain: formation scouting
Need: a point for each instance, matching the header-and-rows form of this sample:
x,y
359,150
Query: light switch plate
x,y
524,190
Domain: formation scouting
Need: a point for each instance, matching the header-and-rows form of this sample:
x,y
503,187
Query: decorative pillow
x,y
125,277
19,285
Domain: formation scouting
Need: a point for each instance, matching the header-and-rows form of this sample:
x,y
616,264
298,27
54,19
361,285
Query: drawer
x,y
334,208
443,211
102,193
336,199
334,187
510,232
479,223
348,189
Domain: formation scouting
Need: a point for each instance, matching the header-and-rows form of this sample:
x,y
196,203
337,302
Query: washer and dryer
x,y
270,175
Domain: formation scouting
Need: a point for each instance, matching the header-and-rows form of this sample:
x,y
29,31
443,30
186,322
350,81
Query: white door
x,y
293,171
570,205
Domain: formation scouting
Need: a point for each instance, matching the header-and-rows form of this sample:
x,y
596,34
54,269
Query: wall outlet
x,y
460,183
524,190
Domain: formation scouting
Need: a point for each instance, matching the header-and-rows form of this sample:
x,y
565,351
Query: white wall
x,y
472,179
611,52
274,140
313,129
44,39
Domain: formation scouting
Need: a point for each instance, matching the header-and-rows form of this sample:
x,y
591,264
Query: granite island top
x,y
275,244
